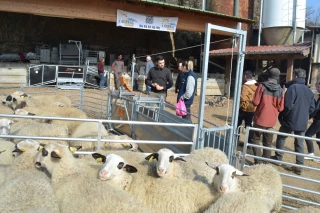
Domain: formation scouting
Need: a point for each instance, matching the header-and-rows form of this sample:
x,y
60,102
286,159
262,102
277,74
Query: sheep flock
x,y
46,175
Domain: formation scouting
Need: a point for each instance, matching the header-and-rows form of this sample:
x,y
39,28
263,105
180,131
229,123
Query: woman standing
x,y
101,72
188,87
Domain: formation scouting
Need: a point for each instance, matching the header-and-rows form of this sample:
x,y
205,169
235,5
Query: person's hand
x,y
159,87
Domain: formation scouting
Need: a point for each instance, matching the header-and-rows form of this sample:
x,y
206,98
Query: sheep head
x,y
51,154
164,158
225,180
113,166
24,145
5,126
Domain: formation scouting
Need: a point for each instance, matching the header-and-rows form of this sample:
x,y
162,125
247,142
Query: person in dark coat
x,y
179,78
314,128
298,105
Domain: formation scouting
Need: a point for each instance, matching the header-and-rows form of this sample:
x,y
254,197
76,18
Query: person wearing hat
x,y
269,101
298,105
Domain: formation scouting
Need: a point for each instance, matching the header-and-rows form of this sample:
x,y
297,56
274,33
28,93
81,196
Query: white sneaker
x,y
307,158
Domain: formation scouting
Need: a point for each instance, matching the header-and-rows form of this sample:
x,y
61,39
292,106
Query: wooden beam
x,y
268,57
106,11
289,69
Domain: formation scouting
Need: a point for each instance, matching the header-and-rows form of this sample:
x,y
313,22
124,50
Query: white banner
x,y
147,22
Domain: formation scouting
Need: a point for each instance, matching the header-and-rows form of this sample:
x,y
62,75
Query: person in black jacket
x,y
159,78
179,78
298,105
314,128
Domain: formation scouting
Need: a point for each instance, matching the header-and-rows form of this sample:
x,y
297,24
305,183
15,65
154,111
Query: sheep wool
x,y
76,192
25,188
6,148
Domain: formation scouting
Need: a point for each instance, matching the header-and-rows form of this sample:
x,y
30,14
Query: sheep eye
x,y
217,171
120,165
44,152
170,159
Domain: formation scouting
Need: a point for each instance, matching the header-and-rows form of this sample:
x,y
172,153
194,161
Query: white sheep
x,y
40,129
5,127
169,165
239,202
78,192
26,189
20,100
6,148
259,180
90,130
162,195
67,112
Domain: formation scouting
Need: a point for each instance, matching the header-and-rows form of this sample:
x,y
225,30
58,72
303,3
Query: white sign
x,y
147,22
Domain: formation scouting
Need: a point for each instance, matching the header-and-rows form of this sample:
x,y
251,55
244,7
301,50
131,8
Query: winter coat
x,y
247,93
269,101
298,105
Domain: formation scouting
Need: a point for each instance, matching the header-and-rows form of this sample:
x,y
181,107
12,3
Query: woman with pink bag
x,y
188,87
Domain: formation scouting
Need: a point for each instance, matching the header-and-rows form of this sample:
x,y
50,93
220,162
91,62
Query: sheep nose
x,y
38,164
223,189
104,173
160,170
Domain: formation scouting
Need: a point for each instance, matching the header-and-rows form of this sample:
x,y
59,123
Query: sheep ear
x,y
131,169
29,113
54,154
14,100
17,150
9,98
152,156
179,158
99,158
212,165
239,173
73,149
41,146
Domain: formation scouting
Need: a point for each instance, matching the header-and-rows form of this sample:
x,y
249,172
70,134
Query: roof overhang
x,y
296,51
105,10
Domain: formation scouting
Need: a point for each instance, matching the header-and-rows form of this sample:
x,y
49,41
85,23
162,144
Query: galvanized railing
x,y
288,189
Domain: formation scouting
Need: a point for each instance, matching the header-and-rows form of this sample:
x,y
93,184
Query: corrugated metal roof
x,y
198,10
301,48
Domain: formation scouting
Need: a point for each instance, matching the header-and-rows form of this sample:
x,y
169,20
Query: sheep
x,y
25,188
90,130
5,110
5,127
6,148
162,195
40,129
67,112
170,166
18,100
262,180
239,202
75,191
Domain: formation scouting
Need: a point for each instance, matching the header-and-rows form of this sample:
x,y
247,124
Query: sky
x,y
314,3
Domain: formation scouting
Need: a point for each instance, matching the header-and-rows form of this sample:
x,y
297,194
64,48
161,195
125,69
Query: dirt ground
x,y
222,115
218,116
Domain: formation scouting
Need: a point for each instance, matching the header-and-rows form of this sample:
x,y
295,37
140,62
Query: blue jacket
x,y
298,105
183,87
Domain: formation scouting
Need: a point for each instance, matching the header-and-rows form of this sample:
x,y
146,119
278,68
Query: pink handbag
x,y
181,109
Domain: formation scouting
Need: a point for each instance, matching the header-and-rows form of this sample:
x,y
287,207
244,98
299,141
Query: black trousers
x,y
246,116
314,129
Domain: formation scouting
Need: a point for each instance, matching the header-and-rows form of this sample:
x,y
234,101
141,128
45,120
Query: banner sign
x,y
147,22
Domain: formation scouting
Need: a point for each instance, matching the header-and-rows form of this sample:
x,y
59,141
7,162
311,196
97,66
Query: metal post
x,y
236,8
99,135
311,55
204,2
203,83
237,91
294,21
260,22
42,74
81,97
132,70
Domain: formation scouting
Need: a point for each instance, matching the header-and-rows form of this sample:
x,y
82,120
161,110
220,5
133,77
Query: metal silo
x,y
279,27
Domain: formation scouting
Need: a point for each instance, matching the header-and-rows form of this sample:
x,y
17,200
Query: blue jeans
x,y
102,80
313,129
148,89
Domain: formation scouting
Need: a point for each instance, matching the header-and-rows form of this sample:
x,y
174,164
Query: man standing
x,y
247,108
101,72
298,105
159,79
149,65
179,78
187,88
117,70
269,101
